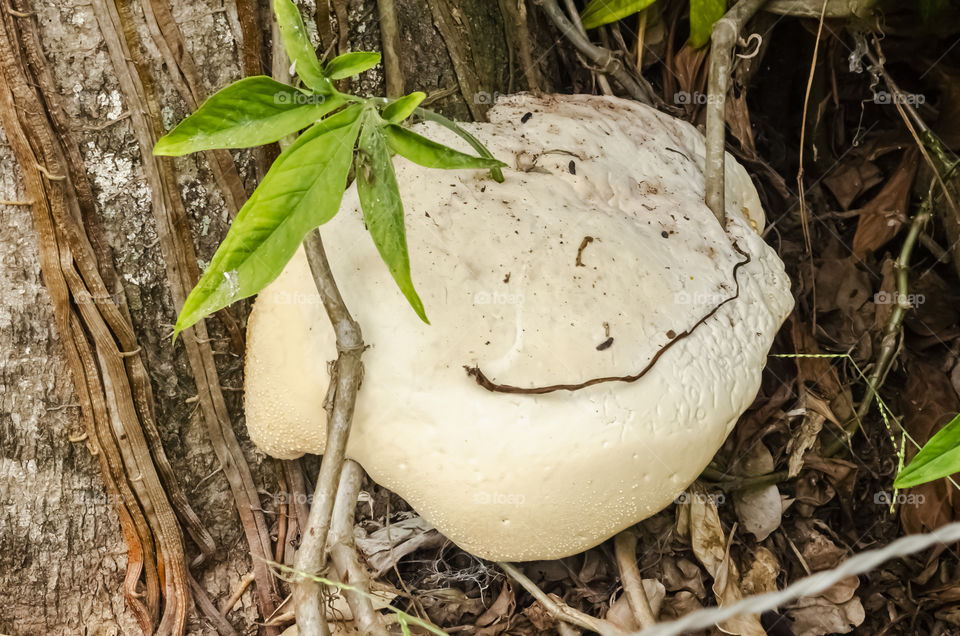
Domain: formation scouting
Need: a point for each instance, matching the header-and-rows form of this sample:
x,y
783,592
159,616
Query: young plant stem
x,y
604,59
345,380
725,34
891,332
625,550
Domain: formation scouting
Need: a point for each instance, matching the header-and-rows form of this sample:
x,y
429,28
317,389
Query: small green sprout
x,y
304,187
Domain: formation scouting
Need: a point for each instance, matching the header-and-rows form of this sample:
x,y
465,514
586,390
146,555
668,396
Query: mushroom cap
x,y
513,285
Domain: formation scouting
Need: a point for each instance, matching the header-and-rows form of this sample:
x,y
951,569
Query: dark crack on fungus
x,y
493,387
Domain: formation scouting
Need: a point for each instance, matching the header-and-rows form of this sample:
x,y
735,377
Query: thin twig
x,y
625,549
801,191
558,609
344,383
389,42
641,35
575,19
724,38
804,216
242,586
604,59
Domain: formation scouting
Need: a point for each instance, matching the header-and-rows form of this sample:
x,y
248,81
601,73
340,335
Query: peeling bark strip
x,y
489,385
102,265
139,88
98,338
183,72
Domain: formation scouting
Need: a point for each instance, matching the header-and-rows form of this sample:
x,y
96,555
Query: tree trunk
x,y
125,470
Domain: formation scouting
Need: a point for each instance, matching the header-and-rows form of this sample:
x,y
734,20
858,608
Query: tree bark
x,y
106,77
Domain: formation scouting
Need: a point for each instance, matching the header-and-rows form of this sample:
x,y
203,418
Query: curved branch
x,y
725,34
604,59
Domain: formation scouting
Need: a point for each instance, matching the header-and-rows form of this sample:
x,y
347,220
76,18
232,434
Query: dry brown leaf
x,y
385,547
678,605
688,71
802,441
812,491
766,411
758,510
726,589
818,551
540,617
699,522
841,474
820,372
496,619
656,593
621,615
935,305
738,118
842,591
851,178
683,574
697,519
842,284
927,403
449,605
818,616
947,125
762,575
955,377
882,217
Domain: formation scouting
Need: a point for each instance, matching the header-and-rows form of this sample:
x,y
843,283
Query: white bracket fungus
x,y
597,267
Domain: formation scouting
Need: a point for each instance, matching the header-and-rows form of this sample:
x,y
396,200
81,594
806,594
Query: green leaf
x,y
938,458
600,12
252,112
428,115
402,108
350,64
297,43
431,154
301,190
383,209
703,15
